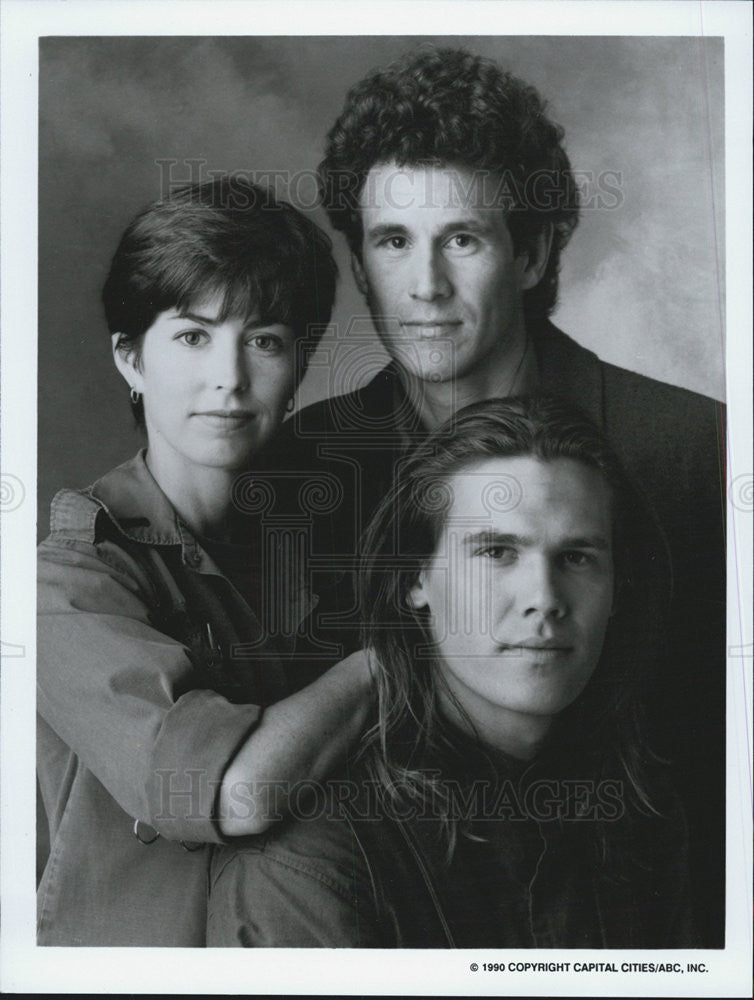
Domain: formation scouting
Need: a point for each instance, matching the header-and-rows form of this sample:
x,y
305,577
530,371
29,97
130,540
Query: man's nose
x,y
232,371
430,279
541,593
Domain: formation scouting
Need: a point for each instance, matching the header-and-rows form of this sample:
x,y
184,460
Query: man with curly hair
x,y
455,194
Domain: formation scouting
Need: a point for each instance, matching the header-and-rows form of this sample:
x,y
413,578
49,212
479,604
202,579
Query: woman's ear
x,y
359,275
125,362
534,263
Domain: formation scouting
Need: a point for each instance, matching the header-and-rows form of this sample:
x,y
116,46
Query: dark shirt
x,y
529,870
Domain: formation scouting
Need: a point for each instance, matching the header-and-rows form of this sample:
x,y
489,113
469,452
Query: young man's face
x,y
520,588
443,283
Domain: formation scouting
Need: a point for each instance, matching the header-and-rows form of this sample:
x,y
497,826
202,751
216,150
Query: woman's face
x,y
214,392
520,588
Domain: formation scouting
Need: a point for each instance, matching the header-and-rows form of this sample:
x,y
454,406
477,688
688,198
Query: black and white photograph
x,y
389,475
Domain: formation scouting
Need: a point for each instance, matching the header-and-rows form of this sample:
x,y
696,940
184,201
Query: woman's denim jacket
x,y
152,671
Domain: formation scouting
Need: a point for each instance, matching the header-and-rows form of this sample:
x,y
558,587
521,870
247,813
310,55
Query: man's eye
x,y
461,241
395,242
193,338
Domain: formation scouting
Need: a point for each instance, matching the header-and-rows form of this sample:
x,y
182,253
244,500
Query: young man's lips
x,y
539,649
226,414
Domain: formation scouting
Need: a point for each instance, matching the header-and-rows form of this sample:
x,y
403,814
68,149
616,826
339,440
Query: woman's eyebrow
x,y
196,318
253,323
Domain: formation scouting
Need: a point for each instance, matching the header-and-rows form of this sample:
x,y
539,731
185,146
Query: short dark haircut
x,y
448,107
223,236
606,719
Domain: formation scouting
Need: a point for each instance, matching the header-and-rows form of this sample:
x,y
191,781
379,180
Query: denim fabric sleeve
x,y
123,696
270,897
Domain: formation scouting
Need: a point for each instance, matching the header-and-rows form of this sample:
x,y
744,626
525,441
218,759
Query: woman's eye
x,y
193,337
266,342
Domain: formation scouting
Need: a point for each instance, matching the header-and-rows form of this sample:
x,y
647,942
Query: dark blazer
x,y
671,444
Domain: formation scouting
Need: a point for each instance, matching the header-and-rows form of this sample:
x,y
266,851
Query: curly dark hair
x,y
448,106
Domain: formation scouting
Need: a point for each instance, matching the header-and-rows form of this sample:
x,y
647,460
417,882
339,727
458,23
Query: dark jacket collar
x,y
565,369
568,370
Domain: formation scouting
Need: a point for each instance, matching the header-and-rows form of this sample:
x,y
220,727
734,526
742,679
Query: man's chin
x,y
427,371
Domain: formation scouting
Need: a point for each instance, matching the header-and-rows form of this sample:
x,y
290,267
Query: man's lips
x,y
429,329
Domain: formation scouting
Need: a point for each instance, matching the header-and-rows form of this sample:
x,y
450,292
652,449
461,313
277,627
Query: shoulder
x,y
88,552
73,514
318,843
347,413
574,369
660,402
657,429
127,496
305,883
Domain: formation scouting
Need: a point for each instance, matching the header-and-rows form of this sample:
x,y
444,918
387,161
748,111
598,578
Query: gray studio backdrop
x,y
121,118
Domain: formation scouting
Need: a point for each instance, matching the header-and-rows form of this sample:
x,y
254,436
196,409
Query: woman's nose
x,y
232,372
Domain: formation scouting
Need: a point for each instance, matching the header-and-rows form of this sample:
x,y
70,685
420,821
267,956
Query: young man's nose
x,y
540,594
429,277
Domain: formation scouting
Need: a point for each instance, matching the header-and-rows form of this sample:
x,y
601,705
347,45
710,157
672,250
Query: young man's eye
x,y
577,560
498,553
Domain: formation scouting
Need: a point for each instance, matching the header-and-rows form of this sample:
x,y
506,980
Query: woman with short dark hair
x,y
167,611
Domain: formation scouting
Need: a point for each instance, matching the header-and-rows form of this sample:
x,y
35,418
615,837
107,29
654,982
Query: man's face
x,y
438,267
520,588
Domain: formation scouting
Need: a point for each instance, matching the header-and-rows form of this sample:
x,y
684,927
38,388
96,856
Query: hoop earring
x,y
135,396
289,405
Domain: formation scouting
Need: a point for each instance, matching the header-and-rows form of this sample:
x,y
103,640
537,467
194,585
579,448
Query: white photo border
x,y
26,968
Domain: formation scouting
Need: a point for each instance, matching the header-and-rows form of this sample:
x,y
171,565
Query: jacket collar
x,y
132,499
566,369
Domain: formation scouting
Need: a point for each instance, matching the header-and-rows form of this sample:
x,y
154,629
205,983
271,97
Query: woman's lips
x,y
226,419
